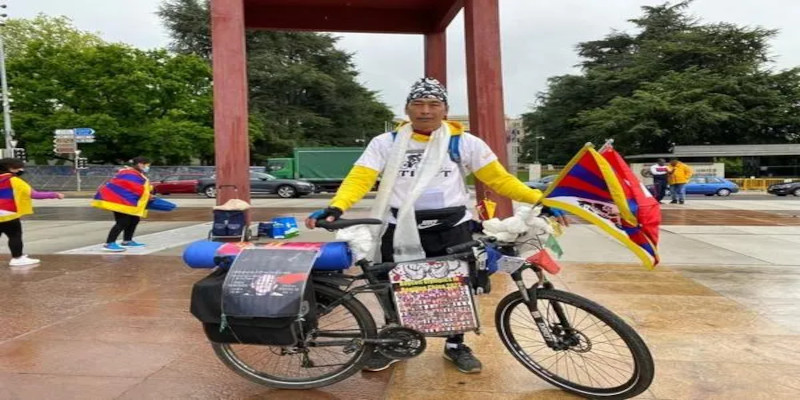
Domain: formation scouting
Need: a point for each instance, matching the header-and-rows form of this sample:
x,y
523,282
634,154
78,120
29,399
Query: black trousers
x,y
13,229
660,184
435,244
124,223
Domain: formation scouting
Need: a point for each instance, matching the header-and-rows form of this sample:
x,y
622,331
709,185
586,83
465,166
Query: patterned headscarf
x,y
427,88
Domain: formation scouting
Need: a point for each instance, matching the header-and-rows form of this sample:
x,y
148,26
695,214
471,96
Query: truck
x,y
325,167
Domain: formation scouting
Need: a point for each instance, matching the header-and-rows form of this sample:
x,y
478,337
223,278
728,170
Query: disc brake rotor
x,y
580,343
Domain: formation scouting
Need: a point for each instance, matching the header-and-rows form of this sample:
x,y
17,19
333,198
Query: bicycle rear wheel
x,y
605,358
305,367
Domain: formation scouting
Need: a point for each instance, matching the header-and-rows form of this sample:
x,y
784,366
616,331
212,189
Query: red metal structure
x,y
230,19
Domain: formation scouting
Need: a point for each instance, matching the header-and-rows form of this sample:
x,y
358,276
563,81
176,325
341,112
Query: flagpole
x,y
608,143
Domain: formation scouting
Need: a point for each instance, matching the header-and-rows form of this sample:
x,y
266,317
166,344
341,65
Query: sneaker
x,y
23,261
132,243
673,202
681,202
378,362
113,247
462,357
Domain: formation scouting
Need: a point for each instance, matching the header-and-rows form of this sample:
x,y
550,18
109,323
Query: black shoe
x,y
462,357
378,362
680,202
673,202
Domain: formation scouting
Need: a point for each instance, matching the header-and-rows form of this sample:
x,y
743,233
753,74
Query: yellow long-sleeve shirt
x,y
361,179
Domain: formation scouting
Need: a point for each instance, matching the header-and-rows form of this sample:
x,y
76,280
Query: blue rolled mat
x,y
200,254
159,204
334,255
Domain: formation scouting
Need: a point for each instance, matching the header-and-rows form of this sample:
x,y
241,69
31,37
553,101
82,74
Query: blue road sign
x,y
84,131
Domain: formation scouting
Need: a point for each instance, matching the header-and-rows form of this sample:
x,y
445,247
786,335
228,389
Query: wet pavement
x,y
721,317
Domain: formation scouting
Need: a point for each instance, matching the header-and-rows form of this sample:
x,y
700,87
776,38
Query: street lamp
x,y
536,151
6,106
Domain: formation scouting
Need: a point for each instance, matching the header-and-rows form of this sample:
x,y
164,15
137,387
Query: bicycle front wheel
x,y
601,357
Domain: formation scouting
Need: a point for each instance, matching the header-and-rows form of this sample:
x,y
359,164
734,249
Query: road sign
x,y
84,139
83,131
84,135
64,133
64,150
64,144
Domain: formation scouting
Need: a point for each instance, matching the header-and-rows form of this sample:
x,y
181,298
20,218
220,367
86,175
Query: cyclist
x,y
441,206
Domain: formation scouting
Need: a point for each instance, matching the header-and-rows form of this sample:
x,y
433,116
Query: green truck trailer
x,y
325,167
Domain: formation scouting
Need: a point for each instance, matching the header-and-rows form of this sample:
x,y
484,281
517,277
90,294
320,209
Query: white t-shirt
x,y
447,189
659,170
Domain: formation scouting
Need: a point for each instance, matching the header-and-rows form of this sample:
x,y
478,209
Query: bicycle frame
x,y
383,291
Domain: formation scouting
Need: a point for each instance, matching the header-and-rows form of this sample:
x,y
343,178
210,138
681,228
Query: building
x,y
514,134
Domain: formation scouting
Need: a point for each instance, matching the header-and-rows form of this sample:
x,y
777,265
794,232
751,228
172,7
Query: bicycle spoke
x,y
598,358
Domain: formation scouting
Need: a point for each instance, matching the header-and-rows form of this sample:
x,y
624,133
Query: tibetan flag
x,y
590,188
640,200
128,192
15,198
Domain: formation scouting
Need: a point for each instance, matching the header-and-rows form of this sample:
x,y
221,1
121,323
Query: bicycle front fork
x,y
529,295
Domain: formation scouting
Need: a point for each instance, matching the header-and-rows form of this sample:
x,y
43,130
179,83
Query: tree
x,y
18,33
303,91
676,81
140,102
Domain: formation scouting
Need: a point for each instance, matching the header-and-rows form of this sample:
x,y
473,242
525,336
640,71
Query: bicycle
x,y
581,347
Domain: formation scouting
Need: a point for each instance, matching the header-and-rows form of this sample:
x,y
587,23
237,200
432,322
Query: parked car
x,y
707,185
179,183
542,183
261,183
783,189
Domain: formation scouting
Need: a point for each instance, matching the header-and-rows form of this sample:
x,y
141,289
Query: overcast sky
x,y
538,38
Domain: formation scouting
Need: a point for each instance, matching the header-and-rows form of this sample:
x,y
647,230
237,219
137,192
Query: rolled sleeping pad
x,y
200,254
159,204
334,256
205,254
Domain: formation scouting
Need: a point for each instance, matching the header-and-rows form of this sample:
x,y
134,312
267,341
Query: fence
x,y
63,178
757,184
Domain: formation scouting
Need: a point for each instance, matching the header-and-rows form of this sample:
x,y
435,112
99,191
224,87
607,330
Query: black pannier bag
x,y
268,309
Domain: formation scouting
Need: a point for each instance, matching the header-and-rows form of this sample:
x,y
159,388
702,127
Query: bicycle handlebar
x,y
463,247
346,223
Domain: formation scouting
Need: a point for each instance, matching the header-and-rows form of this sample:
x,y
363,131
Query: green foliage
x,y
57,31
140,102
676,81
303,91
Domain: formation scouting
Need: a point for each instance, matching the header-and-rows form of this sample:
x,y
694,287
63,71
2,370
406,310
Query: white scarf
x,y
407,244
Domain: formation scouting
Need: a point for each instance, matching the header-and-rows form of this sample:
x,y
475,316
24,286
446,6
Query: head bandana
x,y
427,88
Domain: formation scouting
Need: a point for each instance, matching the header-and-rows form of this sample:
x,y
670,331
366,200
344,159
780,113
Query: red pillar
x,y
436,56
231,144
485,84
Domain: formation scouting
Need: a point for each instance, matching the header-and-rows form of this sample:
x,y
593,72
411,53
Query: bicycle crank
x,y
401,343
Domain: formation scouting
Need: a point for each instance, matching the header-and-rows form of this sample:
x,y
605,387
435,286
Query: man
x,y
444,200
679,176
660,171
